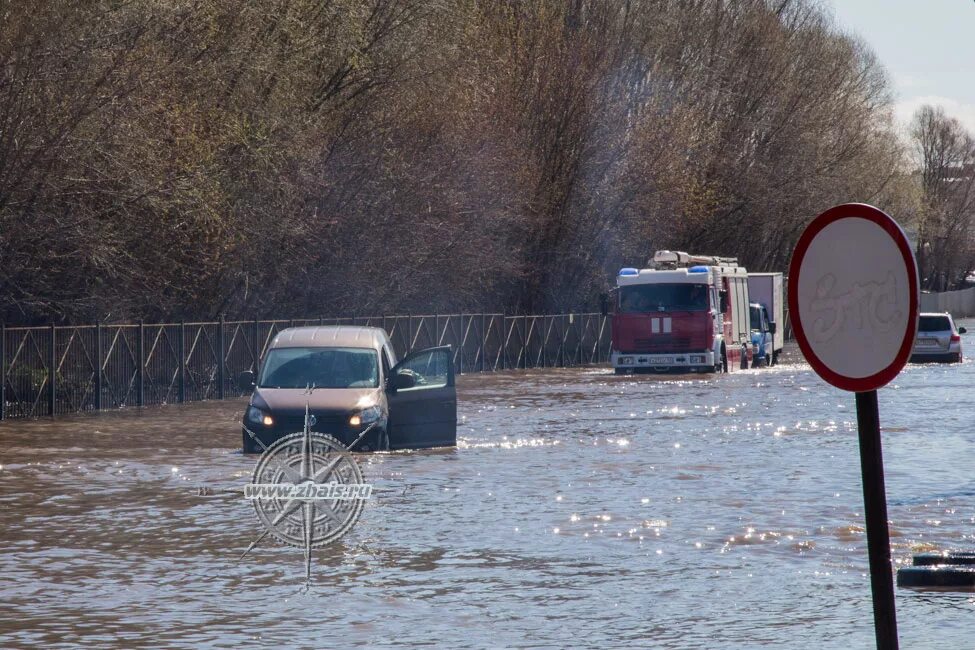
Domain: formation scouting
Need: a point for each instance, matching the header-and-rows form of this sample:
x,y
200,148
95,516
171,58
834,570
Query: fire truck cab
x,y
685,313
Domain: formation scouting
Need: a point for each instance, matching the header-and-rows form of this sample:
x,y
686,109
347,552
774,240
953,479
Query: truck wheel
x,y
775,358
724,360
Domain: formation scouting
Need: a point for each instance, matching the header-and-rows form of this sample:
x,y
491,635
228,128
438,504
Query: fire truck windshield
x,y
639,298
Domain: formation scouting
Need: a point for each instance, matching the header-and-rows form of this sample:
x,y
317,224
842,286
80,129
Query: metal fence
x,y
67,369
960,304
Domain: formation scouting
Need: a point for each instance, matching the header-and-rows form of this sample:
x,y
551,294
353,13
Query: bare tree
x,y
184,159
945,154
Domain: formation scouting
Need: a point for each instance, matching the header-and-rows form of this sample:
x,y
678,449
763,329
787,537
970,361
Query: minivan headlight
x,y
258,416
366,416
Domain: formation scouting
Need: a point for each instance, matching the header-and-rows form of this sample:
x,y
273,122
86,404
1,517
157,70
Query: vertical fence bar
x,y
483,341
142,363
563,339
181,350
3,371
544,344
221,365
579,335
52,391
257,347
504,342
409,335
98,366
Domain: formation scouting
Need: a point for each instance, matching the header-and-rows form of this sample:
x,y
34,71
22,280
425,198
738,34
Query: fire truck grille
x,y
662,344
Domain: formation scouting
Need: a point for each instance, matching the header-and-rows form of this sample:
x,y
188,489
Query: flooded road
x,y
580,509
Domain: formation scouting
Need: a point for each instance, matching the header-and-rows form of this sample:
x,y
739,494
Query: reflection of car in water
x,y
350,379
937,339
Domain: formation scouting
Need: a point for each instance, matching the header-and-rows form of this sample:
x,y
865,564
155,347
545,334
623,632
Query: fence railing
x,y
960,304
67,369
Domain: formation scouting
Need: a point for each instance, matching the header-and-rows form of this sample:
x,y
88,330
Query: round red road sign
x,y
853,296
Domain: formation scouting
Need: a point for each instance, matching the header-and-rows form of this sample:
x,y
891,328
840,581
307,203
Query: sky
x,y
927,46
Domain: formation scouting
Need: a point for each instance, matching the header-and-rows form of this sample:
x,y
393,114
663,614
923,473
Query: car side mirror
x,y
962,330
399,381
604,304
246,380
771,327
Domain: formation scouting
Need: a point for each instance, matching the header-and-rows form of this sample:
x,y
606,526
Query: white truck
x,y
766,289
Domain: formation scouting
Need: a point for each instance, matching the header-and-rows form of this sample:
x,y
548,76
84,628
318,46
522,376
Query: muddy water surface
x,y
580,509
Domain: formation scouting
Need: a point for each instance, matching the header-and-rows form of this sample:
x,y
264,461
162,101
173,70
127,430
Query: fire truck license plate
x,y
661,360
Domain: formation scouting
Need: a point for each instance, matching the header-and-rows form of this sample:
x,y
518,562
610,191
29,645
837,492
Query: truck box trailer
x,y
767,289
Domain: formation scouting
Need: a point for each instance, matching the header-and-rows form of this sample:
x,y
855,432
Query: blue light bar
x,y
629,271
698,269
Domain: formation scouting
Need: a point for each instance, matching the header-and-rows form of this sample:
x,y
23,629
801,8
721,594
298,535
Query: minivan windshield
x,y
321,368
934,324
637,298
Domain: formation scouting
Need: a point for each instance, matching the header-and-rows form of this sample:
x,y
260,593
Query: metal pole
x,y
257,347
562,341
483,341
180,348
142,363
579,334
98,366
52,373
504,341
409,334
544,343
875,511
221,362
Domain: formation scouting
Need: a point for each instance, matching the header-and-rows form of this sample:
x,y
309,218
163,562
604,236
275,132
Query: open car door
x,y
423,400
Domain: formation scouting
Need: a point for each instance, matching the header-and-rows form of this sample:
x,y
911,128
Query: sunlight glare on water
x,y
579,509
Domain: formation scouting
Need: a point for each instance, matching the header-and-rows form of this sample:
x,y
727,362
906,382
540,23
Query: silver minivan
x,y
937,339
355,389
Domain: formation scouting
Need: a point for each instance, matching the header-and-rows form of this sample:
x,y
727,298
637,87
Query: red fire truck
x,y
684,313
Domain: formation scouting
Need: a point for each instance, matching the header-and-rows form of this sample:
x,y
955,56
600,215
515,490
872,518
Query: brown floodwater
x,y
580,509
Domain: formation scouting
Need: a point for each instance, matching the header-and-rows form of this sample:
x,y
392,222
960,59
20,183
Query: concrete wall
x,y
960,304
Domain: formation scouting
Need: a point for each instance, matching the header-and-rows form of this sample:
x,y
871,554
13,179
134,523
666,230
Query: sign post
x,y
853,300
